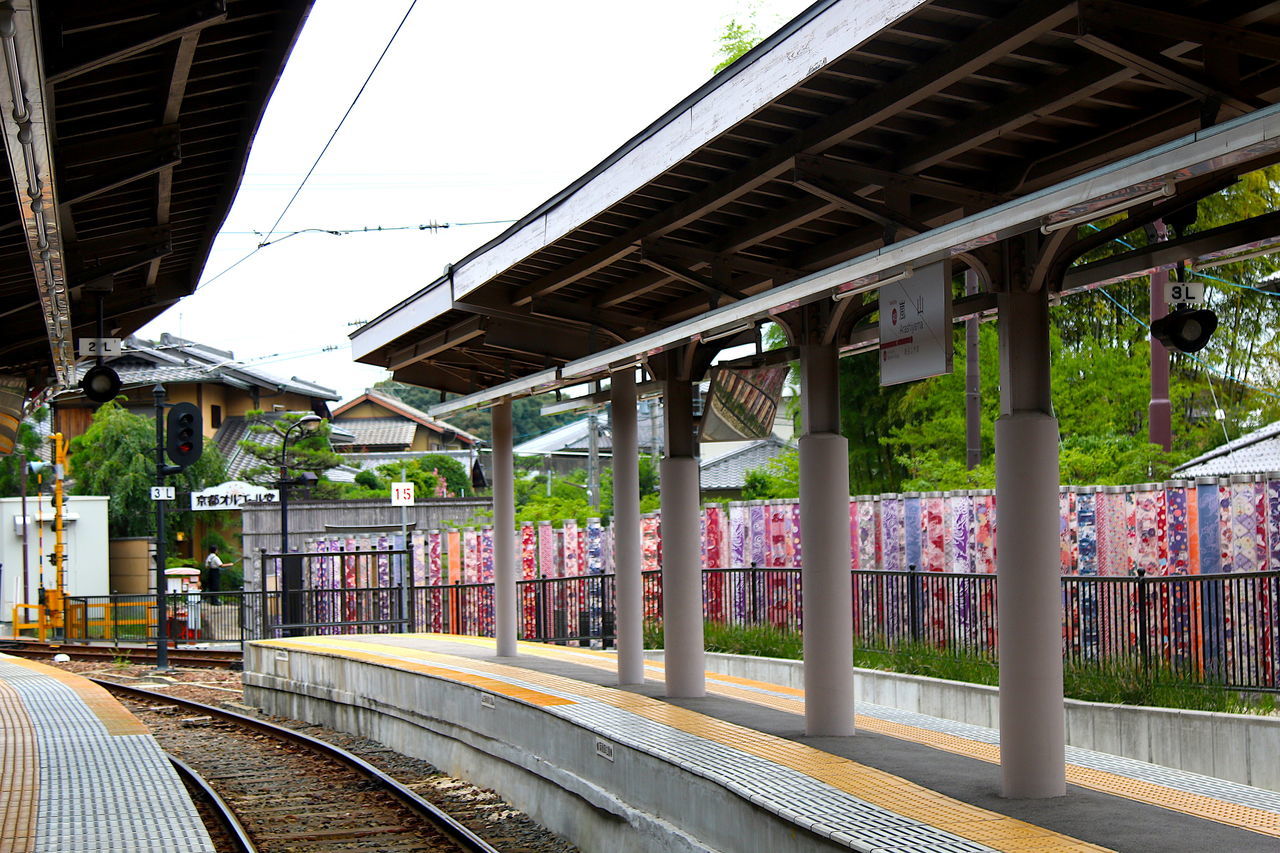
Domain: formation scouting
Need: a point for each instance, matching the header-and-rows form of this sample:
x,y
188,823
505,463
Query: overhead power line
x,y
343,120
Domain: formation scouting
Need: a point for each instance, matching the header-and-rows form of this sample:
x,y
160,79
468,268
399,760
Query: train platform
x,y
79,773
732,771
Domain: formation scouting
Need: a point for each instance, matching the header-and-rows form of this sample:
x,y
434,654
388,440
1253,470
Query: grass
x,y
1118,682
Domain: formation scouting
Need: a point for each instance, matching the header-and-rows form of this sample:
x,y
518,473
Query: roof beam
x,y
1022,25
558,310
99,181
82,272
1120,49
1258,229
172,109
1159,22
848,172
1047,96
566,344
116,43
655,259
778,273
468,329
820,185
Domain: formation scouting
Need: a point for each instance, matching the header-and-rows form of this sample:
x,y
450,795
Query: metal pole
x,y
162,610
1159,410
59,543
824,518
26,537
1032,713
504,535
593,461
405,573
626,527
972,382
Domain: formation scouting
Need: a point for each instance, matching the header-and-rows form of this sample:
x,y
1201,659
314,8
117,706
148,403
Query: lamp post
x,y
290,568
307,423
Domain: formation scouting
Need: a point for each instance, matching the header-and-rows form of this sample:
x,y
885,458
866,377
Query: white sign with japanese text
x,y
915,325
233,495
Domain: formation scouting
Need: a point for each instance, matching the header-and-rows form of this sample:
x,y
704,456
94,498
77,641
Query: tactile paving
x,y
864,808
100,782
1230,803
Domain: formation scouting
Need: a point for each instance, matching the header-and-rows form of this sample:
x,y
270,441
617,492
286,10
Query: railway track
x,y
133,654
294,793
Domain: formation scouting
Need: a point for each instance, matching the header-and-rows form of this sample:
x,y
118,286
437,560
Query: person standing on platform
x,y
213,569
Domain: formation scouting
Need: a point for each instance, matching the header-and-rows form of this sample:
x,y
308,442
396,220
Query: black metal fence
x,y
1221,629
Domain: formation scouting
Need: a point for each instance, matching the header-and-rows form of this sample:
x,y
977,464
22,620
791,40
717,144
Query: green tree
x,y
308,450
527,419
116,457
737,39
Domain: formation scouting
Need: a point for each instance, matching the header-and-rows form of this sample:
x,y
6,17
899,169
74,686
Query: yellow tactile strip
x,y
19,774
114,716
1139,790
866,783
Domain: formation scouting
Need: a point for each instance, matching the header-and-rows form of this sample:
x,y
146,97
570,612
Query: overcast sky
x,y
479,112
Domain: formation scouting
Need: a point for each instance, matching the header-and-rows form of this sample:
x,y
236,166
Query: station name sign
x,y
233,495
915,325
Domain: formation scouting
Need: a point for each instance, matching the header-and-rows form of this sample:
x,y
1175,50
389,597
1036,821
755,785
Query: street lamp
x,y
307,423
290,564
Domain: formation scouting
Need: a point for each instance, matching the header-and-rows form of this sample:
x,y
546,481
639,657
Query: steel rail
x,y
231,823
188,657
430,812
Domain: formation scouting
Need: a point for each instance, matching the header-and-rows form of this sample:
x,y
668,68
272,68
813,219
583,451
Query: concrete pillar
x,y
626,527
825,573
681,548
1032,716
504,535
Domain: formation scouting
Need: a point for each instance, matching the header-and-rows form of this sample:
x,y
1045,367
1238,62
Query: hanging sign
x,y
915,325
1184,292
233,495
108,347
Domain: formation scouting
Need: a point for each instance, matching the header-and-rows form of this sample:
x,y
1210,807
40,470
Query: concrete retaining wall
x,y
545,765
1238,747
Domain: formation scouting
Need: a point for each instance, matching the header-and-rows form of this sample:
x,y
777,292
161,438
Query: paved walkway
x,y
79,773
905,782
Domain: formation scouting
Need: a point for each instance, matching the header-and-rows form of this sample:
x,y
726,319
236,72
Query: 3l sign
x,y
402,494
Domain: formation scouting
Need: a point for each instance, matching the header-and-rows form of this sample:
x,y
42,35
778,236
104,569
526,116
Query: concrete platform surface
x,y
905,782
79,773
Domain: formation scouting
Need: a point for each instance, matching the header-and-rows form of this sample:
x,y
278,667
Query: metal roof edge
x,y
717,81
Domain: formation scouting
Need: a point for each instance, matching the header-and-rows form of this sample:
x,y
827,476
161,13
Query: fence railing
x,y
1220,629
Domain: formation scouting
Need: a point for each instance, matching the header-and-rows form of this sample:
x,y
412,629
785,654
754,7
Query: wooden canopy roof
x,y
858,125
147,110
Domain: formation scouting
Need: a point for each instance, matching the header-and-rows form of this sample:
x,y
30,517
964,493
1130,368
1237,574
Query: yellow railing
x,y
41,624
87,621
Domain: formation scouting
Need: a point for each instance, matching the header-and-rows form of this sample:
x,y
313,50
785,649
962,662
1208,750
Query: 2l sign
x,y
402,494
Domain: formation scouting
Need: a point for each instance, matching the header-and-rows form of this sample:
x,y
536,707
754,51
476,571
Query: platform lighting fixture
x,y
1165,191
728,333
1245,256
872,285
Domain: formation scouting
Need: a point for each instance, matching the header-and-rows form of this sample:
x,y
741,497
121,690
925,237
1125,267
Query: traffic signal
x,y
1185,328
184,436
